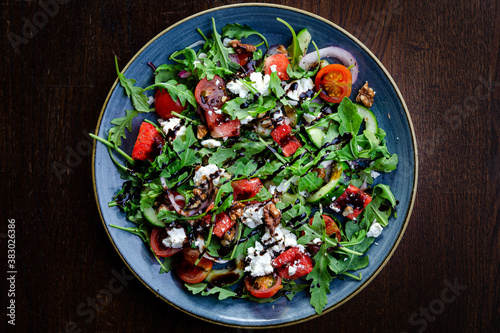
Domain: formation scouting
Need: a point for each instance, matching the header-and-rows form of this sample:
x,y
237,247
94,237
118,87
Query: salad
x,y
257,180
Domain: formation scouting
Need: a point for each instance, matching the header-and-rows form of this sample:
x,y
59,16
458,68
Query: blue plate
x,y
400,137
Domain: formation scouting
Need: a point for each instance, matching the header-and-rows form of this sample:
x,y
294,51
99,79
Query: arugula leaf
x,y
291,289
136,94
165,266
224,292
140,231
196,288
294,50
275,85
116,133
225,204
385,164
219,53
166,72
177,91
221,155
238,31
241,248
320,276
209,69
310,182
350,119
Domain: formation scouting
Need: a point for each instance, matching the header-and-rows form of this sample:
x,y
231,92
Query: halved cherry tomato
x,y
263,286
300,262
243,57
335,81
211,95
164,104
157,236
246,188
352,202
186,269
148,144
222,224
281,62
331,227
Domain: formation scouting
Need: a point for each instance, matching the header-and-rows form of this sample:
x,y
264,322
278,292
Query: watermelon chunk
x,y
280,132
221,125
148,144
222,224
289,145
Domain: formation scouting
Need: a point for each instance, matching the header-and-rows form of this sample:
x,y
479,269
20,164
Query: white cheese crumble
x,y
279,240
303,85
317,241
272,189
374,174
175,239
259,265
274,68
304,194
204,172
173,125
375,230
246,120
253,216
309,117
292,270
259,82
210,143
202,56
151,100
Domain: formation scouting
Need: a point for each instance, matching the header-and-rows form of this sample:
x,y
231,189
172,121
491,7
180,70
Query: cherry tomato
x,y
331,227
293,264
246,188
186,269
335,81
281,62
164,104
263,286
243,57
157,236
211,95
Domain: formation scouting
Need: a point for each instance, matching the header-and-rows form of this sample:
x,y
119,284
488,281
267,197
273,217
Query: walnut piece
x,y
320,171
272,216
202,131
366,95
236,210
239,47
228,236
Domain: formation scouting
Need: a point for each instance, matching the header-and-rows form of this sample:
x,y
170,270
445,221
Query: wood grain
x,y
444,58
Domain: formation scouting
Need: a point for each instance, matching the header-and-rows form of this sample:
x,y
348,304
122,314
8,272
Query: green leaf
x,y
263,195
238,31
225,204
196,288
224,292
275,85
385,164
221,155
165,266
116,133
219,53
136,94
350,119
310,182
321,278
294,50
177,91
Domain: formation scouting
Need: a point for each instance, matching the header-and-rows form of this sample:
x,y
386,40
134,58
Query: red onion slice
x,y
345,57
184,74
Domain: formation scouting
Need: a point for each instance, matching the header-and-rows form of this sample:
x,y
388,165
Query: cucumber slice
x,y
149,212
371,123
150,215
327,192
289,198
317,136
227,276
304,38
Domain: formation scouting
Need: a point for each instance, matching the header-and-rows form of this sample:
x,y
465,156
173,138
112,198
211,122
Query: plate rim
x,y
413,139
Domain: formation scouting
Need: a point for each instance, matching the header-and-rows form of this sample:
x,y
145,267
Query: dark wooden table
x,y
54,79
